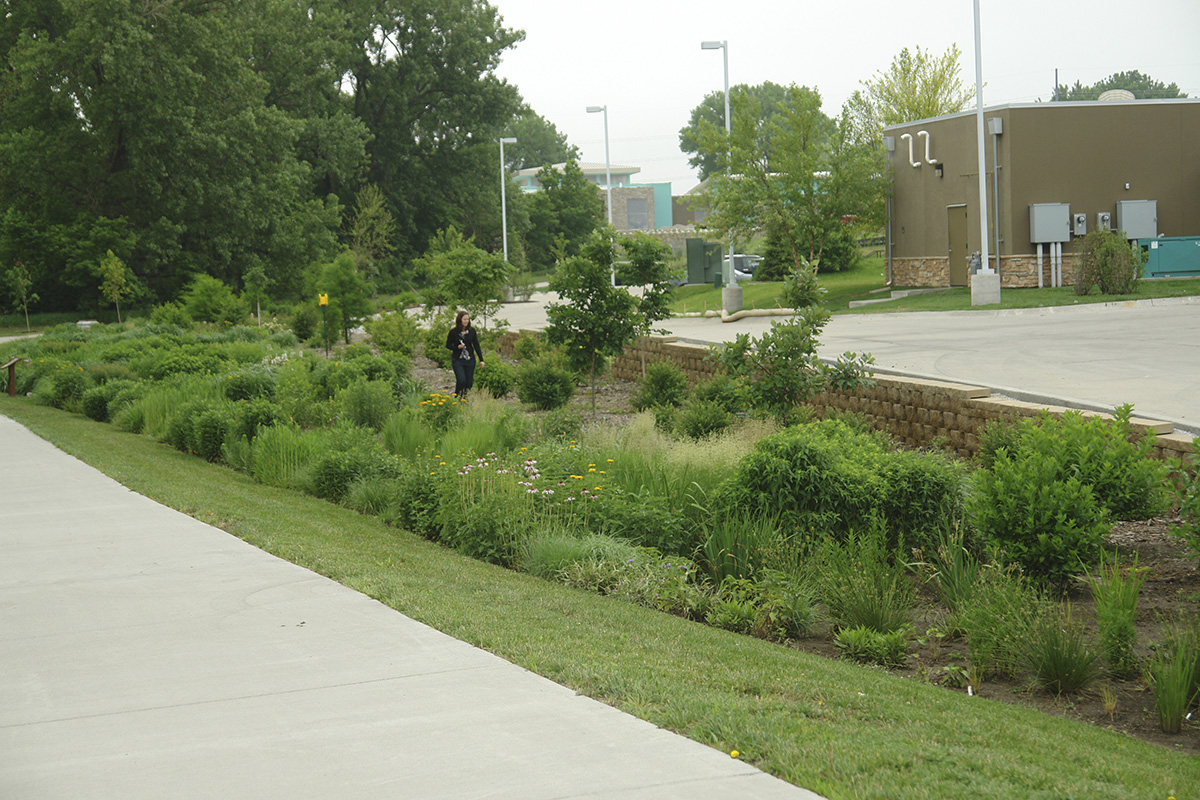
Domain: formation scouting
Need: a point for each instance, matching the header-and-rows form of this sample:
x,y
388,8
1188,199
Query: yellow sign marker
x,y
322,299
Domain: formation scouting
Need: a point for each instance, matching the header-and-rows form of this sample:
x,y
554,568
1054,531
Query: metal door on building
x,y
959,245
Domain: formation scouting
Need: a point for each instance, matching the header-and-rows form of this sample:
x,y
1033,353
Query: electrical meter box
x,y
1138,218
1049,222
1079,224
1104,221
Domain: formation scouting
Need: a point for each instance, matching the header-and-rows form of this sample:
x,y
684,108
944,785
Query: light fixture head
x,y
711,45
596,109
508,140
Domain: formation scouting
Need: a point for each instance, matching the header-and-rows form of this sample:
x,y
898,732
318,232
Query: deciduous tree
x,y
565,210
795,172
596,319
917,85
1143,87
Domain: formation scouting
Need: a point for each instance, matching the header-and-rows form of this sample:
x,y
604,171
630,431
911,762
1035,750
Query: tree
x,y
712,111
19,282
917,85
1142,86
349,294
464,275
567,209
796,172
422,81
146,128
207,299
645,265
782,367
538,143
596,319
114,281
256,281
372,231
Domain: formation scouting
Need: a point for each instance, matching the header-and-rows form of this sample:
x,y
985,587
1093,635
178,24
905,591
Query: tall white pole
x,y
986,266
504,192
607,173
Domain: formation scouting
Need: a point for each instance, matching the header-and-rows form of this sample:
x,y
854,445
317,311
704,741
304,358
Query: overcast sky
x,y
642,58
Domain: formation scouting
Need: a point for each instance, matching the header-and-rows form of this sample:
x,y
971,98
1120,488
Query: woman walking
x,y
461,342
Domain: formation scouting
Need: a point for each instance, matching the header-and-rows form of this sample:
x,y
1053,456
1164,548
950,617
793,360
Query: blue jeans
x,y
464,375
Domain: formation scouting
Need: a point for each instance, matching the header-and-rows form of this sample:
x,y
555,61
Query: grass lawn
x,y
857,284
841,288
841,730
960,299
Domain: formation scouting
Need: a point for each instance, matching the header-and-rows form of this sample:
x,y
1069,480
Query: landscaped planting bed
x,y
1011,579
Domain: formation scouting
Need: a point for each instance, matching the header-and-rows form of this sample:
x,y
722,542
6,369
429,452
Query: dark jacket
x,y
467,337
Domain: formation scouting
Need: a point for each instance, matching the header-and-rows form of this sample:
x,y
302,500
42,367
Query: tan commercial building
x,y
1054,171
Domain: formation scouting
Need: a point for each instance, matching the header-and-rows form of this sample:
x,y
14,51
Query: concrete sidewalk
x,y
148,655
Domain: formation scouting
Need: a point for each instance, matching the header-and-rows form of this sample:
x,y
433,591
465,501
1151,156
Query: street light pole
x,y
607,171
504,192
732,297
985,283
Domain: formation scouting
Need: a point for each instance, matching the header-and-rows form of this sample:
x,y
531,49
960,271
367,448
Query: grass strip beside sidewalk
x,y
841,730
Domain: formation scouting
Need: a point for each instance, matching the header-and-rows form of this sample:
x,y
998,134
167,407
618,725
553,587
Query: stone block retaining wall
x,y
914,411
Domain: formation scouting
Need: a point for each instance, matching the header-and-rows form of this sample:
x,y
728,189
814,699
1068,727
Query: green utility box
x,y
703,261
1172,256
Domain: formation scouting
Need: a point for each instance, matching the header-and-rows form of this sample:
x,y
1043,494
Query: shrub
x,y
102,372
1059,655
207,299
497,377
1116,593
249,417
394,332
868,646
560,423
170,314
68,385
663,384
418,499
367,403
1108,261
209,428
825,475
253,380
529,346
701,419
97,402
642,518
545,383
1188,483
996,436
729,393
433,339
1052,526
178,430
305,320
351,455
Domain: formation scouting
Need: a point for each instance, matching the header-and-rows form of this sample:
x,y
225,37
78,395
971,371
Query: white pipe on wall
x,y
928,160
908,136
1039,265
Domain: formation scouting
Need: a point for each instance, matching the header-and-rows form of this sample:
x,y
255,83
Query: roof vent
x,y
1116,96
